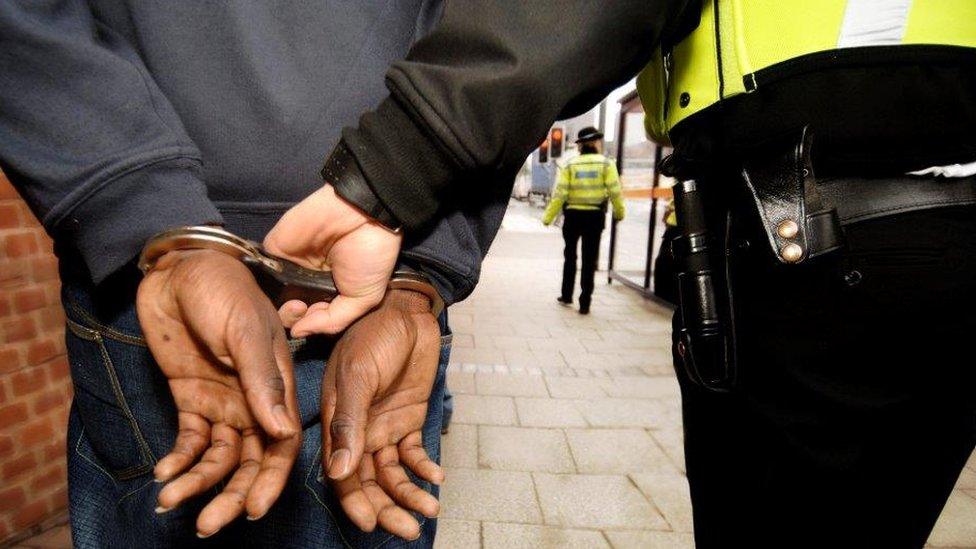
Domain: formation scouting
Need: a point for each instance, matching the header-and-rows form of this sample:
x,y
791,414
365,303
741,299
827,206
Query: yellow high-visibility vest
x,y
740,45
586,182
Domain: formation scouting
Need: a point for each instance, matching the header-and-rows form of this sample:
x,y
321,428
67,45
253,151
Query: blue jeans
x,y
123,420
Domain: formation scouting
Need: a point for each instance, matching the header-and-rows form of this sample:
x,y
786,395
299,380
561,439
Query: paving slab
x,y
523,536
484,410
477,356
956,526
671,496
540,358
499,384
967,480
457,534
671,441
619,412
459,447
459,382
510,342
595,501
462,340
642,387
574,387
478,494
524,449
555,344
650,540
603,451
544,412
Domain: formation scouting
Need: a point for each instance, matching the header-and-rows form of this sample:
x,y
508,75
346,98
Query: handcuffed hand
x,y
325,232
220,343
374,403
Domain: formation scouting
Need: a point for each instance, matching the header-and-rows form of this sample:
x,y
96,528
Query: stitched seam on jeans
x,y
89,460
316,463
110,333
91,335
147,454
81,331
133,491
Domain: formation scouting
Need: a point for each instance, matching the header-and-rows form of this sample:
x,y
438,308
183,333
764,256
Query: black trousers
x,y
856,405
587,226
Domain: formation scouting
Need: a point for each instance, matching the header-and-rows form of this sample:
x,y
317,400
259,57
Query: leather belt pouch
x,y
797,222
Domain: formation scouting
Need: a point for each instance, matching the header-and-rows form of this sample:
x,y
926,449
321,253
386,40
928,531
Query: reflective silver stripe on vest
x,y
874,23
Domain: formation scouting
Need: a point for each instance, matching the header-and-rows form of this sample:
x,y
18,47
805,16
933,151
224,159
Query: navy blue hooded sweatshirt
x,y
121,119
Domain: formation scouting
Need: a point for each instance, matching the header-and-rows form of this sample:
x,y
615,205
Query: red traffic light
x,y
556,137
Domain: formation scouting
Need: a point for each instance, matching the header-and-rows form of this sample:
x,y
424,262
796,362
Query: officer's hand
x,y
374,403
219,342
326,232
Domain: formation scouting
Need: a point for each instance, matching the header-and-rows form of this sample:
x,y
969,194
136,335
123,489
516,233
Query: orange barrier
x,y
660,193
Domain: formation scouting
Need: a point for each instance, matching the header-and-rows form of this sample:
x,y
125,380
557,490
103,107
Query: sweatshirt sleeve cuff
x,y
401,165
109,228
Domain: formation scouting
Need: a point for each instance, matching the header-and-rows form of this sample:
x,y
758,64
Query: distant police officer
x,y
584,186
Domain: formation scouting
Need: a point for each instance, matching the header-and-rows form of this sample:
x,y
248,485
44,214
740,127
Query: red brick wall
x,y
35,388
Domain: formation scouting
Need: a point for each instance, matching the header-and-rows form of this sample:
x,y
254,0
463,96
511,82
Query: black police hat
x,y
588,133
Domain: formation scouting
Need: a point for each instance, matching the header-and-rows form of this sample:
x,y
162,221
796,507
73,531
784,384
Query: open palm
x,y
219,343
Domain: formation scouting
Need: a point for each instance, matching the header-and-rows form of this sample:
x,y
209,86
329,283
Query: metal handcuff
x,y
280,279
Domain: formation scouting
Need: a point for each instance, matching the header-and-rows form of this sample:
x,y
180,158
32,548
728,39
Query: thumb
x,y
334,317
267,380
291,312
347,429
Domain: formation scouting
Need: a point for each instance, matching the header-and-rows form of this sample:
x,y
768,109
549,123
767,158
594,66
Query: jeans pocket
x,y
109,425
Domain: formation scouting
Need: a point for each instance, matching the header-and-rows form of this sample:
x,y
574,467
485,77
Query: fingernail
x,y
205,536
339,463
259,517
283,419
158,480
160,510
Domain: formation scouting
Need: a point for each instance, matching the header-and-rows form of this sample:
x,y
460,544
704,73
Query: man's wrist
x,y
343,173
408,300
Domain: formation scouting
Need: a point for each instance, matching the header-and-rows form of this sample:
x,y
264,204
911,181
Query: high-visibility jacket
x,y
742,45
586,182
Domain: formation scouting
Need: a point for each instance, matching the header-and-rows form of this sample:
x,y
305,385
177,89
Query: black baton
x,y
704,340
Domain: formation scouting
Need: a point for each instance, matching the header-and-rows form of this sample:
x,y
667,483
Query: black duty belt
x,y
802,218
861,199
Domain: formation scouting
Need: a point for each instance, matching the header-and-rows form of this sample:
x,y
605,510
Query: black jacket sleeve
x,y
88,138
479,93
